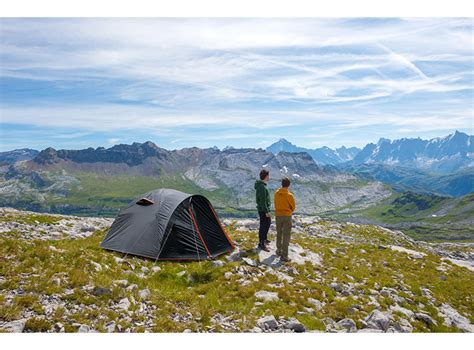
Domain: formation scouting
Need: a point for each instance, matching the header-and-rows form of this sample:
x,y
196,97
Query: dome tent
x,y
167,224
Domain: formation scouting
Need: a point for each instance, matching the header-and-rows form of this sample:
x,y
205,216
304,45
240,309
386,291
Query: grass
x,y
204,290
418,215
96,194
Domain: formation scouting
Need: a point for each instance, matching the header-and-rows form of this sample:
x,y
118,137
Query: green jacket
x,y
262,196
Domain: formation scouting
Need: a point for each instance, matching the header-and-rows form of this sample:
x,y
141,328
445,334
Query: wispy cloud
x,y
265,77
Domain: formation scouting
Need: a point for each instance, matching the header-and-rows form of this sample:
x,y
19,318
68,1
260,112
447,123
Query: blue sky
x,y
76,83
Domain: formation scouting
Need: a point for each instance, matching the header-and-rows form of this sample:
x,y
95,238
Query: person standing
x,y
284,207
262,196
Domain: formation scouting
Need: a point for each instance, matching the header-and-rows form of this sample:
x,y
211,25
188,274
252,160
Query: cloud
x,y
161,75
113,141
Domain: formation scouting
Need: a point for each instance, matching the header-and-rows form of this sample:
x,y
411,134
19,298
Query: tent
x,y
166,224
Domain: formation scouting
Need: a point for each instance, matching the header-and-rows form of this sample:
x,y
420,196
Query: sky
x,y
180,82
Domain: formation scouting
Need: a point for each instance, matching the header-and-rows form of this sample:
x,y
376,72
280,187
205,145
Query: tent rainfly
x,y
167,224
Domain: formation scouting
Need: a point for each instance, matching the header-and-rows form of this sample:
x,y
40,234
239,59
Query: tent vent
x,y
145,201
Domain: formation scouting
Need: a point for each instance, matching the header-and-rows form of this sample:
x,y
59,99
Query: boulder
x,y
249,261
378,320
426,319
294,325
347,323
317,304
454,318
402,310
110,327
84,329
124,304
267,296
403,326
144,294
218,263
16,326
267,323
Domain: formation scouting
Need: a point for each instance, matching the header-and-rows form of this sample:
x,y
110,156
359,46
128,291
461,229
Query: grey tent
x,y
167,224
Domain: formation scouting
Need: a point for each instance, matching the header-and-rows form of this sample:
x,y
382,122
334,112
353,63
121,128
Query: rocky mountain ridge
x,y
227,176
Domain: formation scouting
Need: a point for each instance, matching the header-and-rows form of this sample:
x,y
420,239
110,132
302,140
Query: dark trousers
x,y
265,223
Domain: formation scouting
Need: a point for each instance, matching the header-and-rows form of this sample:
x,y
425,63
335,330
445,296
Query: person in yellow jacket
x,y
284,207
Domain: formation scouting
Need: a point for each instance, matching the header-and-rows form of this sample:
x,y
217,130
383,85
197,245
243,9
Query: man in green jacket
x,y
262,196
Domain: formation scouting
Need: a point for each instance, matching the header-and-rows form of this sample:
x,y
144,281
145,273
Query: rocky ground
x,y
342,278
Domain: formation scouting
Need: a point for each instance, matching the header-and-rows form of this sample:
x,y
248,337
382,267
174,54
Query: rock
x,y
337,287
425,318
412,253
98,291
317,304
468,264
218,263
235,255
387,292
145,269
110,327
124,304
97,266
144,294
58,327
267,296
228,275
122,283
403,326
56,250
294,325
156,268
426,293
454,318
267,323
249,261
282,276
84,329
187,330
402,310
369,330
16,326
347,324
131,287
378,320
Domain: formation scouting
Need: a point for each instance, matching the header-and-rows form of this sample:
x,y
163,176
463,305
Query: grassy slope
x,y
416,214
113,192
32,265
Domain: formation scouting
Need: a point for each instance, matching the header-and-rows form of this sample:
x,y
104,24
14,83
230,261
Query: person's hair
x,y
285,182
263,174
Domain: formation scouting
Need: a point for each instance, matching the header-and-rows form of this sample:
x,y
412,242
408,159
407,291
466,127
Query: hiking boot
x,y
265,249
285,259
267,241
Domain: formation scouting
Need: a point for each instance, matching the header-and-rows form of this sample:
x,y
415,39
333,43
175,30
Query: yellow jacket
x,y
284,202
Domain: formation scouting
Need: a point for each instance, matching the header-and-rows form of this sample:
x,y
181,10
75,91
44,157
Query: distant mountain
x,y
78,180
402,178
442,155
323,155
11,157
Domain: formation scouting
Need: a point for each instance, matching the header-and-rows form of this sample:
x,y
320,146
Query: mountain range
x,y
65,180
323,155
441,155
99,181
